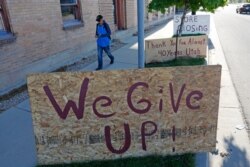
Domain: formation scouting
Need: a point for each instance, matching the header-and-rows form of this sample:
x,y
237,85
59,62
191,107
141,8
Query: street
x,y
234,33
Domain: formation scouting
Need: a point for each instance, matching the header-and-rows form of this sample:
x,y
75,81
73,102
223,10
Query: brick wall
x,y
38,27
131,9
106,8
42,45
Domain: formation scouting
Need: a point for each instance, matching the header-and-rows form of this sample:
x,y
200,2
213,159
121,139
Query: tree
x,y
193,5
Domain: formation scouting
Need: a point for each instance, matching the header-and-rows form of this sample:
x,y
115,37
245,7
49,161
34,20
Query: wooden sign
x,y
116,114
161,50
193,24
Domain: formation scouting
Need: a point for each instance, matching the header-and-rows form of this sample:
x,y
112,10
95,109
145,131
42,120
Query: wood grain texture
x,y
70,140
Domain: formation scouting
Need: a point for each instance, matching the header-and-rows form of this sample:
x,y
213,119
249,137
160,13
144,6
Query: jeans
x,y
100,55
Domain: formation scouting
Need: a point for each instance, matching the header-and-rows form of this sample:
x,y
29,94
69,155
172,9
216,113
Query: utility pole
x,y
140,19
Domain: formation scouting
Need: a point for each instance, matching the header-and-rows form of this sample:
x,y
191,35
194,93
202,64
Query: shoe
x,y
112,61
98,69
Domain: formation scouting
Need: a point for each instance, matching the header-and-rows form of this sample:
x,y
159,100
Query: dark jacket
x,y
106,26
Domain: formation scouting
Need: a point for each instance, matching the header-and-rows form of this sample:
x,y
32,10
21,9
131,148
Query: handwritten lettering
x,y
129,99
127,142
70,104
193,24
197,95
144,133
156,45
177,104
109,102
176,95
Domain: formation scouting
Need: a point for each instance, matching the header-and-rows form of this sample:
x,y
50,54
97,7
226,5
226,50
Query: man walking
x,y
103,35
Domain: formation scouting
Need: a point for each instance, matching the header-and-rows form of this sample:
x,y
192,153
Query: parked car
x,y
245,8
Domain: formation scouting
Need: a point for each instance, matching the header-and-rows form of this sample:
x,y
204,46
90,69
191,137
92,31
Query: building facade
x,y
43,35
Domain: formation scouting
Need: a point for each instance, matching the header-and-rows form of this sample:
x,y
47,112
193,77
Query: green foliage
x,y
194,5
179,62
187,160
188,35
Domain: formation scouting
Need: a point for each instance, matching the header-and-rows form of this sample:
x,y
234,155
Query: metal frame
x,y
140,19
77,4
4,14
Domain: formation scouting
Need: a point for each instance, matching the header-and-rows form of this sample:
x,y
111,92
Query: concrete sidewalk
x,y
233,145
17,148
126,57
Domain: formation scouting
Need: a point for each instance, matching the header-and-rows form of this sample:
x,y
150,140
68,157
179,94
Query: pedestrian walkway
x,y
126,57
233,145
17,144
17,148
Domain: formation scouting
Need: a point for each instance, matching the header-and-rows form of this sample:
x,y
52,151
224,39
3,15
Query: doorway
x,y
120,14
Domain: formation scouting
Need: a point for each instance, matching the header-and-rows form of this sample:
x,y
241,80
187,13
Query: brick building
x,y
43,35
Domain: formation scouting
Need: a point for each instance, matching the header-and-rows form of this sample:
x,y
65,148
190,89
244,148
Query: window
x,y
5,31
246,5
71,13
4,21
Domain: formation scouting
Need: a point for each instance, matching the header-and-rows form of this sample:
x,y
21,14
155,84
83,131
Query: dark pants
x,y
100,55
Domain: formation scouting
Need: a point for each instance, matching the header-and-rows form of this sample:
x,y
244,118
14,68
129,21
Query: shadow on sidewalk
x,y
210,44
237,157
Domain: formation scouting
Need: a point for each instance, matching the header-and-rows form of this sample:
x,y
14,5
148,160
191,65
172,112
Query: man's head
x,y
99,19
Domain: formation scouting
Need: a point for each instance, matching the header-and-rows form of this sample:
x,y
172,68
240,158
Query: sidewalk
x,y
126,57
233,145
17,146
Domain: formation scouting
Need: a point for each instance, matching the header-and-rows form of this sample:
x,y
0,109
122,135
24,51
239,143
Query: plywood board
x,y
161,50
84,116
